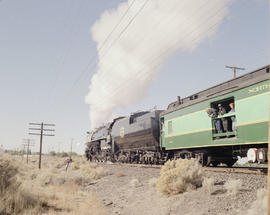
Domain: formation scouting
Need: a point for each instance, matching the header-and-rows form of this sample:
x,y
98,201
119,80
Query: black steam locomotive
x,y
132,139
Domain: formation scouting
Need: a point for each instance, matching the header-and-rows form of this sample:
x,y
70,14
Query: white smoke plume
x,y
129,63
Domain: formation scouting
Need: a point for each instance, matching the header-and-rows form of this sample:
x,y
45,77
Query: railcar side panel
x,y
191,127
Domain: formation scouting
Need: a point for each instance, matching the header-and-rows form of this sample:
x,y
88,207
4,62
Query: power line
x,y
93,62
125,28
68,50
115,27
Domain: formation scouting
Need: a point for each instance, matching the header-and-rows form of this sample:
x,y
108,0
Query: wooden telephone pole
x,y
71,142
41,134
27,143
234,68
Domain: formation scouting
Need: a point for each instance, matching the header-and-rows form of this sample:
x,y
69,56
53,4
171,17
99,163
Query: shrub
x,y
208,184
63,154
8,172
52,153
233,186
178,176
259,206
93,172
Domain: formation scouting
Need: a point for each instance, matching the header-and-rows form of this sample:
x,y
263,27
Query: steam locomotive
x,y
185,130
132,139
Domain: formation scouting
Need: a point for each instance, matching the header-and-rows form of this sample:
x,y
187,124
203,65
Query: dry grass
x,y
233,186
119,174
208,185
70,199
92,204
75,166
55,190
13,198
178,176
259,206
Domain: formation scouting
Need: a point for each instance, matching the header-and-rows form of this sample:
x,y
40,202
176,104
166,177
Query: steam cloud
x,y
129,63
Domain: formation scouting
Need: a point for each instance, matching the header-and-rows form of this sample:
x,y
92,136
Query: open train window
x,y
223,117
162,124
170,128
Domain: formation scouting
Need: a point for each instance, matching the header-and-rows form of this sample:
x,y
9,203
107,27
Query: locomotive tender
x,y
185,130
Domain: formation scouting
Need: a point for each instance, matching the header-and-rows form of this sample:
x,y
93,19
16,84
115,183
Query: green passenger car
x,y
187,130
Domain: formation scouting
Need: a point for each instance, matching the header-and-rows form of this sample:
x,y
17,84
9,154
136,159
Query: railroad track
x,y
242,170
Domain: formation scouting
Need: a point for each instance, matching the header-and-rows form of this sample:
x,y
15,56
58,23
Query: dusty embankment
x,y
182,187
131,190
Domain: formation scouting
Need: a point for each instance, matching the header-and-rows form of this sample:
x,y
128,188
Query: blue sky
x,y
46,45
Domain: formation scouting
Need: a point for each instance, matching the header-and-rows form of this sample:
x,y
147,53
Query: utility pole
x,y
59,143
41,134
234,68
27,143
23,151
71,142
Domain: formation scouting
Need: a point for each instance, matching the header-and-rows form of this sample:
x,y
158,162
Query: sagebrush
x,y
233,186
178,176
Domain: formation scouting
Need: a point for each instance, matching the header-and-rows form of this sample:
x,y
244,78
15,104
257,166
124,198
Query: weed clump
x,y
8,173
208,185
233,186
259,206
94,172
178,176
75,166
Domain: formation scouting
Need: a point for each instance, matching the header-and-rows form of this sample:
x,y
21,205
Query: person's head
x,y
219,106
231,105
208,110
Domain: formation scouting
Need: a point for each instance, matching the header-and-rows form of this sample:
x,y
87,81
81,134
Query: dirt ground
x,y
105,188
121,196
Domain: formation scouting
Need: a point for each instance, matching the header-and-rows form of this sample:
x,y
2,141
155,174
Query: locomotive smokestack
x,y
178,100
